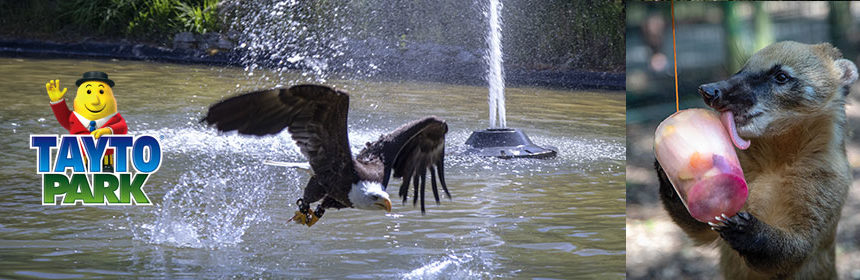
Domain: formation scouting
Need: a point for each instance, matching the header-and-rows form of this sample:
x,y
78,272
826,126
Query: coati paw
x,y
738,230
734,224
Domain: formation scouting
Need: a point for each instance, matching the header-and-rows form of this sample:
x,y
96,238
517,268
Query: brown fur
x,y
798,182
796,169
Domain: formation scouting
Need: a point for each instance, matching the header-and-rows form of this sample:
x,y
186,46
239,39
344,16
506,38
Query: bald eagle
x,y
315,117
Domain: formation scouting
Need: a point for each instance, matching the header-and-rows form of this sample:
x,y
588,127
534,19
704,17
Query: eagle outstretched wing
x,y
314,115
411,151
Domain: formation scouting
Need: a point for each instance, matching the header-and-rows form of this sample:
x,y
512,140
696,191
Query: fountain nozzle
x,y
506,143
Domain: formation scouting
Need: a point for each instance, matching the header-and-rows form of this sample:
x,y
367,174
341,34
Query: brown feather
x,y
410,151
315,116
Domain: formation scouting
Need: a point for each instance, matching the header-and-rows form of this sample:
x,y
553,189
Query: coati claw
x,y
737,229
738,221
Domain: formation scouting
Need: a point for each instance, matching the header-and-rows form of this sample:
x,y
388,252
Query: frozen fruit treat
x,y
696,148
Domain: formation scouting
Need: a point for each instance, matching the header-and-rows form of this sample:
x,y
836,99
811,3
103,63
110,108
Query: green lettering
x,y
81,185
129,189
53,185
100,191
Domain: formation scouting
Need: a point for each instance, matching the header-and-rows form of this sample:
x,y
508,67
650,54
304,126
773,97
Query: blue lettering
x,y
95,152
122,143
69,155
43,146
154,154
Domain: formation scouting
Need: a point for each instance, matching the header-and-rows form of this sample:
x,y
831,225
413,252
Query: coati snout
x,y
780,83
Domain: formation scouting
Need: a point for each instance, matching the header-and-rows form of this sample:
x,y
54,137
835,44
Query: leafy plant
x,y
101,16
146,19
153,17
199,19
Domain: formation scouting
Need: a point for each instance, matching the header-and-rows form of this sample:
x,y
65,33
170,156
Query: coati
x,y
789,101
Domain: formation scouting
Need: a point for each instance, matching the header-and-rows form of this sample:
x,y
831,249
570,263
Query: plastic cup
x,y
700,160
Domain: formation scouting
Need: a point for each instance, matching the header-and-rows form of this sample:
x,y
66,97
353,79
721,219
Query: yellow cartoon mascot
x,y
95,110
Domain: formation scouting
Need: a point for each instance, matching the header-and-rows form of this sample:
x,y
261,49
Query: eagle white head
x,y
367,195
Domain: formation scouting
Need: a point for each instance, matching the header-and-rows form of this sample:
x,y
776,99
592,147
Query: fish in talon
x,y
308,219
299,218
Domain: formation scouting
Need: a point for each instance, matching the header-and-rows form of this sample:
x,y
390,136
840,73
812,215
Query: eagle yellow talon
x,y
308,219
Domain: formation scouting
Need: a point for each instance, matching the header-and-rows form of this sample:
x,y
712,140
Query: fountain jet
x,y
496,74
498,140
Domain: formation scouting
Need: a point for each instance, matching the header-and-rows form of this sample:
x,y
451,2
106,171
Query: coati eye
x,y
782,77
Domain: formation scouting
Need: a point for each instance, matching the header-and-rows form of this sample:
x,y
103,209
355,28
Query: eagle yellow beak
x,y
385,203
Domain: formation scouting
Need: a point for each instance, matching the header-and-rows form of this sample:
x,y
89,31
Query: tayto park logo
x,y
76,173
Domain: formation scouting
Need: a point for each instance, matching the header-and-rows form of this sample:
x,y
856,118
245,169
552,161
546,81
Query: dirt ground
x,y
658,249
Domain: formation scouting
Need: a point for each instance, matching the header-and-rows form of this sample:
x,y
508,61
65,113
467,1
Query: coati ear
x,y
848,71
829,51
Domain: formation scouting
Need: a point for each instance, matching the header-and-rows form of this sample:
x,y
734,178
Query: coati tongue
x,y
728,120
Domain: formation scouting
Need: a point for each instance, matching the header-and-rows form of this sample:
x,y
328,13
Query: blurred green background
x,y
713,40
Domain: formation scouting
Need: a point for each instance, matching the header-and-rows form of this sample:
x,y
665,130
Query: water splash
x,y
222,185
205,210
282,35
452,266
470,262
217,197
495,74
305,41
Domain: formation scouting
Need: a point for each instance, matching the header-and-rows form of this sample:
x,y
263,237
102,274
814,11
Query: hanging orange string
x,y
674,55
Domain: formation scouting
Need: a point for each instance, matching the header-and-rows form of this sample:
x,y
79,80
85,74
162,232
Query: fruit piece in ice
x,y
668,130
725,166
700,162
712,172
721,194
685,174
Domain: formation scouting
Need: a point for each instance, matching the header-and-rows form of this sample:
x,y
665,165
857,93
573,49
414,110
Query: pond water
x,y
218,212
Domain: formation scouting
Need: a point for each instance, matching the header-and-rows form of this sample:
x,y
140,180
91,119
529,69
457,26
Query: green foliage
x,y
199,19
152,15
98,15
21,17
145,19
